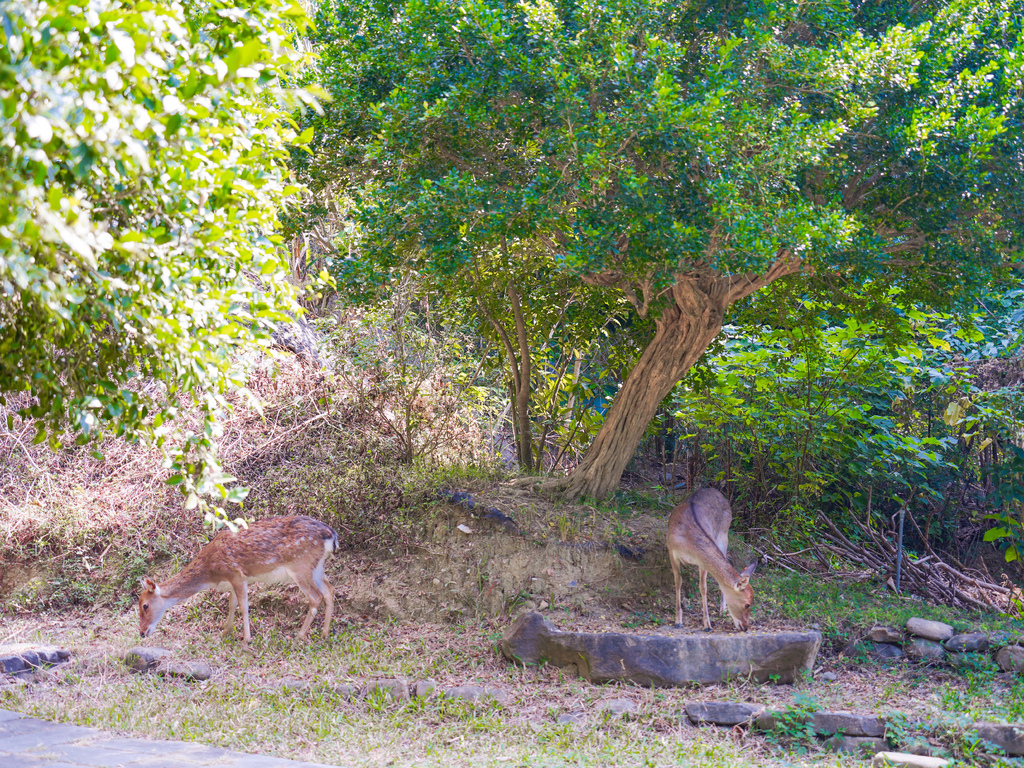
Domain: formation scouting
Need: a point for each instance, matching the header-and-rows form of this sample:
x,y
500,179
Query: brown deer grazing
x,y
274,551
698,534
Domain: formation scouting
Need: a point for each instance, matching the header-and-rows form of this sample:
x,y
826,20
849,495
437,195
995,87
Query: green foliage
x,y
680,156
143,165
819,413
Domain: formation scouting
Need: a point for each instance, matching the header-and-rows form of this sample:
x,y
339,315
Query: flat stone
x,y
344,691
188,670
18,657
617,707
30,734
828,677
1009,738
882,634
929,630
722,712
572,718
143,659
863,745
971,642
887,651
848,724
906,760
662,660
396,690
475,693
422,689
1011,658
925,650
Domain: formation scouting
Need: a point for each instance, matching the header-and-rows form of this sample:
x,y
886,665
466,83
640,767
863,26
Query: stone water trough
x,y
663,661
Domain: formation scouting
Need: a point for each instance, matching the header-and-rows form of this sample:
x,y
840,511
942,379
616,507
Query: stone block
x,y
971,642
663,660
396,690
144,659
617,707
882,634
929,630
1009,738
924,650
724,713
906,760
19,657
1011,658
422,689
848,724
187,670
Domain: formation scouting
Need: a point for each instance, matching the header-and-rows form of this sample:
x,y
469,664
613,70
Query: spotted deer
x,y
278,550
698,534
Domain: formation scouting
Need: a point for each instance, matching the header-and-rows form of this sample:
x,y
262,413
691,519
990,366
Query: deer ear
x,y
742,584
749,570
148,584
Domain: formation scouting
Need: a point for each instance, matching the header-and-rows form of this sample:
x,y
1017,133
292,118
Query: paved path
x,y
26,742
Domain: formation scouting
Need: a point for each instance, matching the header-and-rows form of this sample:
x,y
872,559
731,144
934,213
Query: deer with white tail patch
x,y
278,550
698,534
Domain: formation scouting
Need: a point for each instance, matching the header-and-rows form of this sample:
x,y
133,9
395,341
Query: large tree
x,y
142,166
683,155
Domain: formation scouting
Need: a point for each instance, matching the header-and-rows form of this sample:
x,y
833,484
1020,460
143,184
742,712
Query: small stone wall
x,y
933,641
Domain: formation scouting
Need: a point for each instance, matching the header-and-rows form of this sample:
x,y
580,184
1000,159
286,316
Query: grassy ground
x,y
243,706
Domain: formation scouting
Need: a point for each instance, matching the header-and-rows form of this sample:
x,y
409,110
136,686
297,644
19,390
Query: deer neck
x,y
185,584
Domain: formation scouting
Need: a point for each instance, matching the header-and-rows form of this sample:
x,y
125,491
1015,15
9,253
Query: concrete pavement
x,y
26,742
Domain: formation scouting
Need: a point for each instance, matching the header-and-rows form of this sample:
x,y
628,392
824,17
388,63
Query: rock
x,y
396,690
848,724
1011,658
572,718
972,642
617,707
1009,738
18,657
864,745
189,670
344,691
422,689
143,659
885,651
828,677
767,720
475,693
926,650
929,630
880,634
660,660
905,760
722,712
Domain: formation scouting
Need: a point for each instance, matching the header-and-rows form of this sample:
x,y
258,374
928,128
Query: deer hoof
x,y
707,629
678,626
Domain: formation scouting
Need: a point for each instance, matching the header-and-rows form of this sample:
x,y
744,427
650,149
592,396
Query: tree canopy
x,y
143,163
684,156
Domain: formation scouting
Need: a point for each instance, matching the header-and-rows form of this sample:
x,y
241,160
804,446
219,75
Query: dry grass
x,y
243,708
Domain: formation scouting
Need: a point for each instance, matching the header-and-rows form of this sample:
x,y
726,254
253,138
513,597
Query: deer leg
x,y
325,589
306,584
232,605
704,598
242,595
679,594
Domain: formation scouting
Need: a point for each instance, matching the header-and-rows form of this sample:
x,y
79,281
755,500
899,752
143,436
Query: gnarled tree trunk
x,y
684,330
